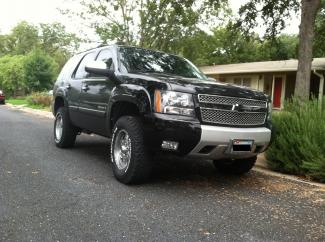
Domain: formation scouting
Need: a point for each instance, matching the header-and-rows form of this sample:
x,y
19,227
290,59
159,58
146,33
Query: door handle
x,y
85,88
68,86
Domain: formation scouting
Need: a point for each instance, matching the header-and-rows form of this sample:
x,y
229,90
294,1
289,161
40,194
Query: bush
x,y
299,147
12,74
39,98
40,71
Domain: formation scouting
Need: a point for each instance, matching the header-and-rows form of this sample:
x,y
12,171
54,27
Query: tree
x,y
40,71
283,47
12,74
274,14
309,10
166,24
52,39
57,42
319,46
23,39
31,56
148,23
226,45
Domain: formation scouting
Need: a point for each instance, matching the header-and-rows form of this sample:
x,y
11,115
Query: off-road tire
x,y
235,166
140,165
69,132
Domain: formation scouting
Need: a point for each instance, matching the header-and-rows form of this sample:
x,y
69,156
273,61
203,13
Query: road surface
x,y
50,194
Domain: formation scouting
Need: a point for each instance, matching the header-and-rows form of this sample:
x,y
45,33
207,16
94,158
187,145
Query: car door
x,y
73,88
95,94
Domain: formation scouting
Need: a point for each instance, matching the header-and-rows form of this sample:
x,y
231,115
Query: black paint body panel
x,y
159,127
91,109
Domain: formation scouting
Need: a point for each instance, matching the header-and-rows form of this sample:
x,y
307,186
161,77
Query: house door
x,y
277,92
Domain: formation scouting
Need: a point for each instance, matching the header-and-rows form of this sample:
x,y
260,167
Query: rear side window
x,y
68,68
81,72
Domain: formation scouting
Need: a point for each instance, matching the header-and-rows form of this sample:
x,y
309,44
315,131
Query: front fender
x,y
60,92
131,93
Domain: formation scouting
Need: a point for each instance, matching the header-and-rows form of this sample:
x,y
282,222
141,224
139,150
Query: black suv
x,y
148,101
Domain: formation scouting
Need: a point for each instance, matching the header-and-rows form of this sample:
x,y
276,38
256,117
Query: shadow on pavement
x,y
167,168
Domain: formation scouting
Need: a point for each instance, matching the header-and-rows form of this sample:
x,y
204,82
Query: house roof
x,y
260,67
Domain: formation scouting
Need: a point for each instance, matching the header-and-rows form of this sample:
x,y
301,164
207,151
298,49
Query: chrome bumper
x,y
216,142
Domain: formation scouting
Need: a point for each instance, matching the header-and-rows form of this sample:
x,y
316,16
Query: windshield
x,y
137,60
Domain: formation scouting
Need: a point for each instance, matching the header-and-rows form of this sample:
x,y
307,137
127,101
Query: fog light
x,y
169,145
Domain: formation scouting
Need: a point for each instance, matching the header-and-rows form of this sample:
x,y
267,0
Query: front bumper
x,y
216,142
184,130
193,137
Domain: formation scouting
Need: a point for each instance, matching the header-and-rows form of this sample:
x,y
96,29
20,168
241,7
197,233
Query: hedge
x,y
299,143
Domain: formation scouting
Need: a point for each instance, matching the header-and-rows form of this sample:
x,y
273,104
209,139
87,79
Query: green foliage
x,y
50,38
42,99
31,56
17,101
229,45
35,101
283,47
273,13
12,74
55,41
23,39
319,46
158,24
299,146
40,71
22,74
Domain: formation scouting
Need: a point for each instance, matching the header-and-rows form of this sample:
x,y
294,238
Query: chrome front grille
x,y
204,98
229,117
232,111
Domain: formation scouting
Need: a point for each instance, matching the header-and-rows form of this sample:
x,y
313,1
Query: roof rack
x,y
103,45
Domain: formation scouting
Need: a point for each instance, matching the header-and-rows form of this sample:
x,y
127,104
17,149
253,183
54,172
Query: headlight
x,y
174,103
269,109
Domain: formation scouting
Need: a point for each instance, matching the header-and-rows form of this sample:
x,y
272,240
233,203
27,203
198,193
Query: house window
x,y
238,81
243,81
247,82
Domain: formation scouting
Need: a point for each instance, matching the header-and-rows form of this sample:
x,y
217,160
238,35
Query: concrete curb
x,y
37,112
288,177
261,165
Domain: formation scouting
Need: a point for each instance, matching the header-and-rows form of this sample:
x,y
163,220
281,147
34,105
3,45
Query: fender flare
x,y
60,93
130,93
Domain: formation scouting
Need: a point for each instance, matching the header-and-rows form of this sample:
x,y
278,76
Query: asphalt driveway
x,y
49,194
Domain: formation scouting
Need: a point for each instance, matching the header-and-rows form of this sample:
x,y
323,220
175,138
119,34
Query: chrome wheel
x,y
122,150
58,127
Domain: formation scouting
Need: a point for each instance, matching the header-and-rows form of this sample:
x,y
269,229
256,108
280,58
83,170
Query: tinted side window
x,y
107,57
68,68
81,73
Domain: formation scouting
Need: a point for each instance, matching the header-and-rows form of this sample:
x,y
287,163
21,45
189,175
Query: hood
x,y
198,86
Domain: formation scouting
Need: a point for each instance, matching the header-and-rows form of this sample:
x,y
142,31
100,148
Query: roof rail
x,y
101,45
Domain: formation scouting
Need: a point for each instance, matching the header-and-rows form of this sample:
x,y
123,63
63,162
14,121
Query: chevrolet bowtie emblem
x,y
243,108
235,107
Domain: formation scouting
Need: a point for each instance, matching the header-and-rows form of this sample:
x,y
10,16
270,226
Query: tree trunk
x,y
309,9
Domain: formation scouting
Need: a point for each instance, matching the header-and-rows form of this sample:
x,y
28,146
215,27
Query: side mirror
x,y
99,68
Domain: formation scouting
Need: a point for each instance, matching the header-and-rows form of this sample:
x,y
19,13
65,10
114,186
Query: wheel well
x,y
120,109
59,102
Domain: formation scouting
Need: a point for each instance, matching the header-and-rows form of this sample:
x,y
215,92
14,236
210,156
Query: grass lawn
x,y
23,101
17,101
